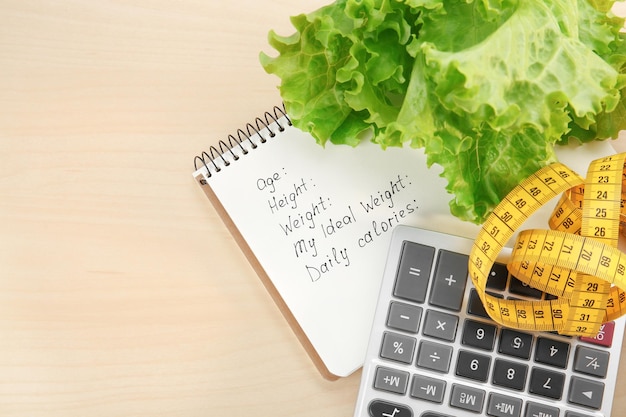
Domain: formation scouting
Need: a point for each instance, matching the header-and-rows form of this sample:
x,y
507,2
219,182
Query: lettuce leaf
x,y
487,87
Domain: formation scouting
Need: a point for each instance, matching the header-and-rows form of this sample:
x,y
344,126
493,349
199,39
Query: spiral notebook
x,y
315,223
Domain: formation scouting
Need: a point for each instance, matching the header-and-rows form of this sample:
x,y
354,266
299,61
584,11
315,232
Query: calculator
x,y
435,352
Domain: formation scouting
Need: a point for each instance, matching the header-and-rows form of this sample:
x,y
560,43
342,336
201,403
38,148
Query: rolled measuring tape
x,y
577,260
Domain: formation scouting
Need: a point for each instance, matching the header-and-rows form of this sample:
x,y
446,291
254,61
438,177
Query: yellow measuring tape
x,y
577,260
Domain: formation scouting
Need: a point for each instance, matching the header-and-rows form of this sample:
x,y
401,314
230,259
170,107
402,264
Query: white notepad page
x,y
319,220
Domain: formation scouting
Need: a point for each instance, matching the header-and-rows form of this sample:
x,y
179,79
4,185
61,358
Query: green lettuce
x,y
487,88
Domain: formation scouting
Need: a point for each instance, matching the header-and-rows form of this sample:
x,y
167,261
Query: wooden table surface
x,y
121,291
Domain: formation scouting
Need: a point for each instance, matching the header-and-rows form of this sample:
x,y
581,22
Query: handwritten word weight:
x,y
385,198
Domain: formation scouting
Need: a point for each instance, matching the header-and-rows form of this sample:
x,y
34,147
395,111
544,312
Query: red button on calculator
x,y
604,336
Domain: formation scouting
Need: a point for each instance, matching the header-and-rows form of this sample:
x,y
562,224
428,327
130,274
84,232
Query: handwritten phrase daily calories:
x,y
299,212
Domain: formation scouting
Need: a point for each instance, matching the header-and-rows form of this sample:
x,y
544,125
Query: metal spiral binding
x,y
225,147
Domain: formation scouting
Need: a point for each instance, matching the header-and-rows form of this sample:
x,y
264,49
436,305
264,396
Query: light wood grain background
x,y
121,291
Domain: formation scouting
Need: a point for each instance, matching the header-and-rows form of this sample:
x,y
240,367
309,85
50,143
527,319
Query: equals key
x,y
413,273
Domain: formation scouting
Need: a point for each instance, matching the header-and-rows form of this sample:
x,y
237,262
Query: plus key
x,y
448,286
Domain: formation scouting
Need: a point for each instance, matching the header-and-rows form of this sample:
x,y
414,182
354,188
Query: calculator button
x,y
586,392
498,277
575,414
478,334
391,380
475,307
433,414
536,410
473,365
404,317
429,389
510,374
434,356
397,347
448,287
467,398
520,288
504,406
604,336
552,352
546,383
591,361
515,343
414,272
378,408
440,325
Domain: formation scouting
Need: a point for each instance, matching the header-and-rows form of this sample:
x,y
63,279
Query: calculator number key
x,y
552,352
498,277
547,383
473,365
509,374
514,343
479,335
